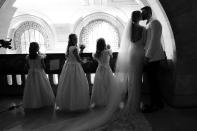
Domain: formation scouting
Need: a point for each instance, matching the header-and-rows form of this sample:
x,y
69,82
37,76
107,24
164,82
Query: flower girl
x,y
73,88
38,92
103,77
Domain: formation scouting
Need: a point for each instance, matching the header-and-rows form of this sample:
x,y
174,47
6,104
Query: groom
x,y
154,54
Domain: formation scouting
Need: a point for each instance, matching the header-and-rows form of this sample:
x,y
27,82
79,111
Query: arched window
x,y
30,32
32,35
97,29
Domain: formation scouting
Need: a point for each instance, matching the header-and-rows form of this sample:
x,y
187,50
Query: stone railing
x,y
13,73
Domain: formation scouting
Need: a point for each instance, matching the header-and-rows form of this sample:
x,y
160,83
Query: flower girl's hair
x,y
101,45
33,50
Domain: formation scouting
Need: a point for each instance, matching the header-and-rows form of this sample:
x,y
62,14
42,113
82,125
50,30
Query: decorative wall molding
x,y
128,2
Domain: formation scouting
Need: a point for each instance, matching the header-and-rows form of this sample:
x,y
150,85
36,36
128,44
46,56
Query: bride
x,y
128,78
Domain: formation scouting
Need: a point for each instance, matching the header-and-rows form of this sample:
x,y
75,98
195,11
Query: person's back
x,y
37,92
105,57
72,58
35,63
103,77
154,49
138,52
158,31
73,88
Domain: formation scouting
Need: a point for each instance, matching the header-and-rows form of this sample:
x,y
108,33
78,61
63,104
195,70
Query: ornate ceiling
x,y
82,2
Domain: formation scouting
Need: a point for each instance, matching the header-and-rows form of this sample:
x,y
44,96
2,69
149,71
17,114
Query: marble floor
x,y
167,119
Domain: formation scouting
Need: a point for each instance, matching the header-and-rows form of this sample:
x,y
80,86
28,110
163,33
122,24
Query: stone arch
x,y
117,23
20,23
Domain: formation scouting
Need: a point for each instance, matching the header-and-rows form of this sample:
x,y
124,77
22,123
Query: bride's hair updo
x,y
136,30
136,16
100,46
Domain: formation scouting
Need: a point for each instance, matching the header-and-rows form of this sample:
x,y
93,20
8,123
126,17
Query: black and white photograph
x,y
98,65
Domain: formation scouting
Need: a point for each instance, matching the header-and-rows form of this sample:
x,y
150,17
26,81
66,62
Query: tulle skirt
x,y
102,83
38,91
73,88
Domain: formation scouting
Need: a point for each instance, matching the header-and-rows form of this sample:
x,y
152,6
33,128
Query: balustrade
x,y
13,71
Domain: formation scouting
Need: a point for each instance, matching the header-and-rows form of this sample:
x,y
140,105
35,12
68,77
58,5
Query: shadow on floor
x,y
167,119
